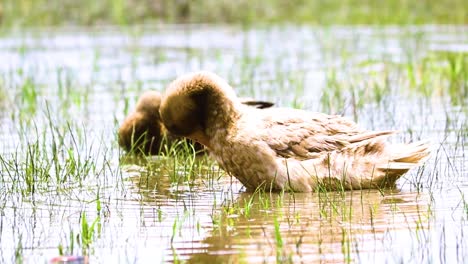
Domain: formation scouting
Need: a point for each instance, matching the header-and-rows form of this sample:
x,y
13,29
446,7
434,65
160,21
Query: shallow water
x,y
63,93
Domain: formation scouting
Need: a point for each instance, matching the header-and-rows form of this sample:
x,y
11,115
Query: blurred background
x,y
20,13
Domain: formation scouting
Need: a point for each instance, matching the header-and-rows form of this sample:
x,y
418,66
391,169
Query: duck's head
x,y
192,100
142,130
149,103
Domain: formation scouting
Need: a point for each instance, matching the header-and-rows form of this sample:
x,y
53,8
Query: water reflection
x,y
236,226
331,227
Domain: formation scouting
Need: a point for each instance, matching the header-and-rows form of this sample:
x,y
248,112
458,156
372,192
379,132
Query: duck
x,y
142,131
283,149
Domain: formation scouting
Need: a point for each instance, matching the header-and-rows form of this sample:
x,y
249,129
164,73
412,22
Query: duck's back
x,y
299,134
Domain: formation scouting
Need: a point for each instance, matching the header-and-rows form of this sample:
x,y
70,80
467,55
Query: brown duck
x,y
143,132
280,148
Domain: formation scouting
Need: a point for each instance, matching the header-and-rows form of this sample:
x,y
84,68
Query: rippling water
x,y
63,93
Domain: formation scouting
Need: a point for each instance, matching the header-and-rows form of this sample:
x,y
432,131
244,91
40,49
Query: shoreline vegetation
x,y
34,13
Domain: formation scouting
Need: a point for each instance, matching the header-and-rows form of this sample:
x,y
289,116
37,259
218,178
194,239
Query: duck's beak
x,y
201,138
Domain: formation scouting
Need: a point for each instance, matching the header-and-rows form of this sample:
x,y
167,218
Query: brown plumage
x,y
282,148
143,132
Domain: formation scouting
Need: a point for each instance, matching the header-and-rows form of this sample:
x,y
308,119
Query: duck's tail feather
x,y
404,157
370,164
414,153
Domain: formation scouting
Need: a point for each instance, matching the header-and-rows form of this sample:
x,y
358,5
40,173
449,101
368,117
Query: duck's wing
x,y
304,135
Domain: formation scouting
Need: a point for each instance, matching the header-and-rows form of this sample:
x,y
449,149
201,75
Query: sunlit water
x,y
74,86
